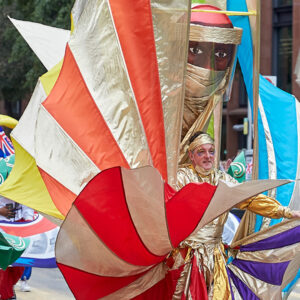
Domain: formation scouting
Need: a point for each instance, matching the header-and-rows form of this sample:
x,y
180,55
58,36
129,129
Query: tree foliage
x,y
19,67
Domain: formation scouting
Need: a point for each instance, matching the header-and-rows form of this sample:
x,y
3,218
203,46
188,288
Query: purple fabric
x,y
282,239
229,276
242,288
269,272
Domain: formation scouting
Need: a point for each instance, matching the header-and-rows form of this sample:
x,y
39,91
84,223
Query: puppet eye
x,y
221,53
196,50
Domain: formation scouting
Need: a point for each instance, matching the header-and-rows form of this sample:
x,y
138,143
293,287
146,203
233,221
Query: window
x,y
284,2
283,43
284,68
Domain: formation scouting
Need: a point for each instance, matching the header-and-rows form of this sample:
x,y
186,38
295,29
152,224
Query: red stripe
x,y
186,208
135,31
198,287
60,195
89,286
103,205
73,107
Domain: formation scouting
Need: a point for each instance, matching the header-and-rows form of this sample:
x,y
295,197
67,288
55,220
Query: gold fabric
x,y
265,206
140,285
200,33
183,282
201,140
204,89
221,288
270,256
207,242
222,4
144,192
170,27
96,49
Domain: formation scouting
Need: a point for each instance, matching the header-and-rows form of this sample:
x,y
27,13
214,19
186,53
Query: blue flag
x,y
6,146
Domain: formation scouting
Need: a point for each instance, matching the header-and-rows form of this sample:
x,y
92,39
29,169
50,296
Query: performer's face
x,y
208,55
203,156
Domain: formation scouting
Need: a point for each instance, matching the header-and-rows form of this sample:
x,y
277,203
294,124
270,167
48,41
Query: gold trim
x,y
199,33
228,13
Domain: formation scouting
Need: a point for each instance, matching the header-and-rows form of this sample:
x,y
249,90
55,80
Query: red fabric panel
x,y
164,289
89,286
135,31
73,107
209,19
198,287
186,208
60,195
103,205
169,192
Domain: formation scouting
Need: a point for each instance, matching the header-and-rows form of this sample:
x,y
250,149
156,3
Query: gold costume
x,y
204,88
206,245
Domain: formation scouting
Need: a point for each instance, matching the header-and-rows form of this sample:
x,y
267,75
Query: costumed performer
x,y
204,256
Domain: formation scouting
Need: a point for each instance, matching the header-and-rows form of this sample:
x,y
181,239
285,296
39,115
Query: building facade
x,y
279,50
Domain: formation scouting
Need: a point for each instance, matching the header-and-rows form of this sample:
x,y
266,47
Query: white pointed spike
x,y
47,42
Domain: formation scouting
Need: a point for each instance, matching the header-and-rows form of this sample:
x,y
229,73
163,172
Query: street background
x,y
46,284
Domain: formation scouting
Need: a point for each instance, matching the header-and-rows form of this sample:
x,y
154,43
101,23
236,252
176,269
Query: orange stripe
x,y
135,31
61,196
73,107
30,229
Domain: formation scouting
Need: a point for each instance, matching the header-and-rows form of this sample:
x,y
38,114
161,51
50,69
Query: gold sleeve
x,y
266,207
182,180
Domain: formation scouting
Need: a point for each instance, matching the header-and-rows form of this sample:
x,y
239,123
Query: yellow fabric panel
x,y
72,24
211,129
48,79
8,121
25,185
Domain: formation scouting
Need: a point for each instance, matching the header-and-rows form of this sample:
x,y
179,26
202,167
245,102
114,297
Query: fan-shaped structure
x,y
116,102
122,226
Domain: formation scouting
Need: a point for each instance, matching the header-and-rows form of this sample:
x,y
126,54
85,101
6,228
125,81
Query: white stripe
x,y
25,224
59,156
294,202
270,147
24,132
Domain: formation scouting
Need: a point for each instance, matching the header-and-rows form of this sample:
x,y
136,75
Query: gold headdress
x,y
202,139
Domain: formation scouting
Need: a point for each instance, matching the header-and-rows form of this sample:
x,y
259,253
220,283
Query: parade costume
x,y
207,82
121,234
206,245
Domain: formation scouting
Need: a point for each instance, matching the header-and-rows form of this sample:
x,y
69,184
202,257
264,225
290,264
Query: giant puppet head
x,y
211,55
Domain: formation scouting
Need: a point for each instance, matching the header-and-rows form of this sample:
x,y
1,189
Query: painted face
x,y
211,56
203,156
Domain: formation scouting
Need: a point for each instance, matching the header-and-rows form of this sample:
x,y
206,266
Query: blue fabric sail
x,y
280,114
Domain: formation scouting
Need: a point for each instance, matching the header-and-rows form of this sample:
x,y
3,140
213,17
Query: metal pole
x,y
256,63
250,127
